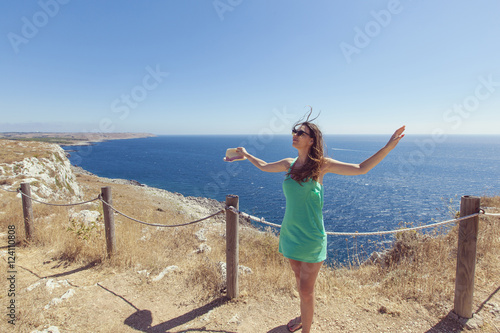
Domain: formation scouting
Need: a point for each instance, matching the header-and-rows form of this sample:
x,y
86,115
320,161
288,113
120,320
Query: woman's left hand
x,y
394,140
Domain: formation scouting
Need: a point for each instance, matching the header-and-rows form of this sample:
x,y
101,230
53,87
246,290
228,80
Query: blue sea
x,y
419,182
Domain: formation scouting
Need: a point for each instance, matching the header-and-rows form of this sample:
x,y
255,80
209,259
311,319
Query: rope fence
x,y
466,253
491,214
253,218
433,225
161,225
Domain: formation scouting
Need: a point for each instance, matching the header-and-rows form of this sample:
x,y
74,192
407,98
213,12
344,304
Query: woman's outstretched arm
x,y
349,169
278,166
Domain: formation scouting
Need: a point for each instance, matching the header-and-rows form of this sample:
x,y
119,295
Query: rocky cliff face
x,y
45,166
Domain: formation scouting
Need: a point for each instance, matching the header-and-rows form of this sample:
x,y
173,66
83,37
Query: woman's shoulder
x,y
288,161
327,163
327,160
285,163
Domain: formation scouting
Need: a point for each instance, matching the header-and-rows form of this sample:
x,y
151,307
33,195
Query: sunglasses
x,y
300,132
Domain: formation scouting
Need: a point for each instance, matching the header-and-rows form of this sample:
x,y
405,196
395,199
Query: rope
x,y
256,219
491,214
61,205
253,218
160,225
401,230
262,220
6,190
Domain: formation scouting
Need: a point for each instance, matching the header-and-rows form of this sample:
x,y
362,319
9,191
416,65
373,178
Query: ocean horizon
x,y
419,182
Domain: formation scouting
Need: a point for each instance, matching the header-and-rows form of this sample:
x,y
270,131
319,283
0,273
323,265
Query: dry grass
x,y
422,268
419,269
14,151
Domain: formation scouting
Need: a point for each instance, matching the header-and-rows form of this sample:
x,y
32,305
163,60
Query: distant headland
x,y
71,139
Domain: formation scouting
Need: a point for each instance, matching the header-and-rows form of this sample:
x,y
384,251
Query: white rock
x,y
56,301
143,272
203,248
34,285
145,237
206,317
222,269
244,270
241,269
86,217
495,309
200,234
51,329
234,320
474,323
164,272
50,284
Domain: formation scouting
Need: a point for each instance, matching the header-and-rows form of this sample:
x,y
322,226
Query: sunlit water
x,y
419,182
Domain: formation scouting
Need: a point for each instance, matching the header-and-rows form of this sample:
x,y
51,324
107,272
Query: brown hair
x,y
312,167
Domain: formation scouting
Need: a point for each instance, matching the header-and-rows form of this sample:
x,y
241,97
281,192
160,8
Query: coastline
x,y
196,207
210,205
72,138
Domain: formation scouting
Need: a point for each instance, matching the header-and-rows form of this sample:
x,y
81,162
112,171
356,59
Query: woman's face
x,y
302,137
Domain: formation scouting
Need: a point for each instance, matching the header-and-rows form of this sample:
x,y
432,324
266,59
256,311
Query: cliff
x,y
43,165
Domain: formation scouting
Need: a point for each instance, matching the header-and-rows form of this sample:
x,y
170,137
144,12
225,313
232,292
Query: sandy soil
x,y
105,300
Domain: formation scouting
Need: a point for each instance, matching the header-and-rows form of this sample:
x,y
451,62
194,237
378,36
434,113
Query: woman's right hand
x,y
242,151
236,154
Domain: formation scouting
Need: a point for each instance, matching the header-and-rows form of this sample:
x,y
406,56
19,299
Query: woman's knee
x,y
306,293
306,287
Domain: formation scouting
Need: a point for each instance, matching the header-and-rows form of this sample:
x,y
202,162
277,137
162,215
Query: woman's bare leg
x,y
306,274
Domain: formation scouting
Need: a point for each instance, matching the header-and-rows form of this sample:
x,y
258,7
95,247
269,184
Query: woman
x,y
302,236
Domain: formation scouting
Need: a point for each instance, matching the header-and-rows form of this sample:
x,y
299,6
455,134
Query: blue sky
x,y
241,66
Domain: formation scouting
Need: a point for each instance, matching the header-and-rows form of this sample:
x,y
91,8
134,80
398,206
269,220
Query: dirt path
x,y
110,301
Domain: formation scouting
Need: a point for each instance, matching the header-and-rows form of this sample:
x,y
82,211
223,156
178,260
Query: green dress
x,y
302,235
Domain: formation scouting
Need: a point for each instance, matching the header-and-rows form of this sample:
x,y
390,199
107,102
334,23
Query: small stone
x,y
234,320
222,269
86,217
200,234
51,284
244,270
33,286
203,248
51,329
241,269
164,272
56,301
143,272
474,323
494,308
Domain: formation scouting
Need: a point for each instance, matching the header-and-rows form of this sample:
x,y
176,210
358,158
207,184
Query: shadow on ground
x,y
279,329
141,319
448,324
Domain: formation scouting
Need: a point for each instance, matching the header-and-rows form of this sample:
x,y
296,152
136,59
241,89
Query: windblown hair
x,y
315,158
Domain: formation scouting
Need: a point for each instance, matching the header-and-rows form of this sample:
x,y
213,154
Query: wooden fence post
x,y
466,256
109,220
232,247
27,210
